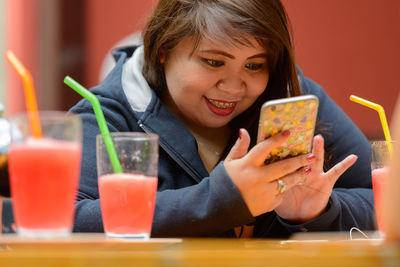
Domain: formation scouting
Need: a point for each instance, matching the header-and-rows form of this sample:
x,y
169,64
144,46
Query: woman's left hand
x,y
307,201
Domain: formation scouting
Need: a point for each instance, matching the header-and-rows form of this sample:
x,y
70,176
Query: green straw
x,y
100,120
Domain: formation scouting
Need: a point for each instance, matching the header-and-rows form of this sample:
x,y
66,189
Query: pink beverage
x,y
44,177
378,182
127,204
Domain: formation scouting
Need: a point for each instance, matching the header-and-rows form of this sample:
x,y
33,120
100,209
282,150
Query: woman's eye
x,y
213,63
254,66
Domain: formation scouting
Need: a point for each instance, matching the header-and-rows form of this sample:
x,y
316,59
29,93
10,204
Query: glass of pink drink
x,y
127,199
44,173
380,154
378,183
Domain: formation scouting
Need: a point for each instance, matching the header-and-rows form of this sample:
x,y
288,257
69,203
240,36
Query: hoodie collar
x,y
132,79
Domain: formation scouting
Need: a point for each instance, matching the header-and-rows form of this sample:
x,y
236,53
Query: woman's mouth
x,y
220,107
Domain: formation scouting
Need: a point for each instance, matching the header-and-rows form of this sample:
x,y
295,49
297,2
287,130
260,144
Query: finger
x,y
241,146
336,171
284,167
318,149
292,179
260,152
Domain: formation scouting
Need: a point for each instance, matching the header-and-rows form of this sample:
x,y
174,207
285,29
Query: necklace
x,y
215,152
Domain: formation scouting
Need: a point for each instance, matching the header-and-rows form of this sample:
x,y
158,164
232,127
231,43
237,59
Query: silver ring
x,y
282,186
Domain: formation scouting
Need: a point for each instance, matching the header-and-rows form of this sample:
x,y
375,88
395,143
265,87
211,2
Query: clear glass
x,y
380,155
44,173
127,199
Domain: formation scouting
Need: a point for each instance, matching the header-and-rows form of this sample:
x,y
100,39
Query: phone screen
x,y
297,114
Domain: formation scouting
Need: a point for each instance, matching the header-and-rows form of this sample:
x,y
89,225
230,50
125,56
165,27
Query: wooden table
x,y
97,250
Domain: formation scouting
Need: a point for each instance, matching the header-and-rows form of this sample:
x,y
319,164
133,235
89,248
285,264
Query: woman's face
x,y
214,84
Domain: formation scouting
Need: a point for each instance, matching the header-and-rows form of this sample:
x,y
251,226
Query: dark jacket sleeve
x,y
209,208
87,210
351,203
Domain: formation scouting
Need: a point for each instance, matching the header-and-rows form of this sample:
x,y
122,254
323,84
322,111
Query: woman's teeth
x,y
221,104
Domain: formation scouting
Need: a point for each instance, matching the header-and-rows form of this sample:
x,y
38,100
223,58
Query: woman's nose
x,y
233,84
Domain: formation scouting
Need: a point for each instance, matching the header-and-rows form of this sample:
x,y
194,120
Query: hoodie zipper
x,y
173,155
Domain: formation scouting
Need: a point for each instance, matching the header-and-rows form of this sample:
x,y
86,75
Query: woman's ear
x,y
162,56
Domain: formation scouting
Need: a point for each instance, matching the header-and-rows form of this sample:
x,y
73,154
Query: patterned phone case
x,y
297,114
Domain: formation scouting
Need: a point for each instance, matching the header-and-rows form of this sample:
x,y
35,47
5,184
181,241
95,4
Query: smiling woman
x,y
198,81
218,85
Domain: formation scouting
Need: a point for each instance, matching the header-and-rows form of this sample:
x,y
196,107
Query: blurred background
x,y
347,46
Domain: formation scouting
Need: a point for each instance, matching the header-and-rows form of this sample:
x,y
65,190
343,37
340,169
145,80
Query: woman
x,y
198,81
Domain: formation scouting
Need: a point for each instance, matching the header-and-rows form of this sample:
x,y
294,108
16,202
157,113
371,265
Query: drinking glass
x,y
44,173
127,199
380,155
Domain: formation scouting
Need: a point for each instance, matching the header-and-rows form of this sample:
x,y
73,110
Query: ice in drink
x,y
127,204
378,182
44,177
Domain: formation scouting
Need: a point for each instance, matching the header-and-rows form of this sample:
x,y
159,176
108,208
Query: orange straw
x,y
30,98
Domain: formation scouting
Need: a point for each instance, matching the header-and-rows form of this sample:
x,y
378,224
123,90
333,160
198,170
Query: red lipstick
x,y
221,107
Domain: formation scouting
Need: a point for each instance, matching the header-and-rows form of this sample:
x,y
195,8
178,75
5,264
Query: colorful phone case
x,y
297,114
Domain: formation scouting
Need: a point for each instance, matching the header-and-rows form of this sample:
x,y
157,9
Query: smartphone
x,y
297,114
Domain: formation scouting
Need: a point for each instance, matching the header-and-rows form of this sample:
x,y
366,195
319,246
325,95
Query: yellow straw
x,y
381,113
30,97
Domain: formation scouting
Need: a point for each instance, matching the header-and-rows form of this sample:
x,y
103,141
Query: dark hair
x,y
229,22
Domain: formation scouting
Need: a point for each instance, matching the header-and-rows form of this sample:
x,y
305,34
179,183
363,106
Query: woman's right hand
x,y
257,182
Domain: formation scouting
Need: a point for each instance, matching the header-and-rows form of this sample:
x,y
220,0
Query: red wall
x,y
347,46
21,39
108,22
351,47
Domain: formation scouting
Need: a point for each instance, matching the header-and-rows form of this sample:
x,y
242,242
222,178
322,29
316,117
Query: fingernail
x,y
307,170
286,133
240,133
310,157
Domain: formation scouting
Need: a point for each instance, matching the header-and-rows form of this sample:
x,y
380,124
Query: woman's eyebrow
x,y
218,52
263,55
223,53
